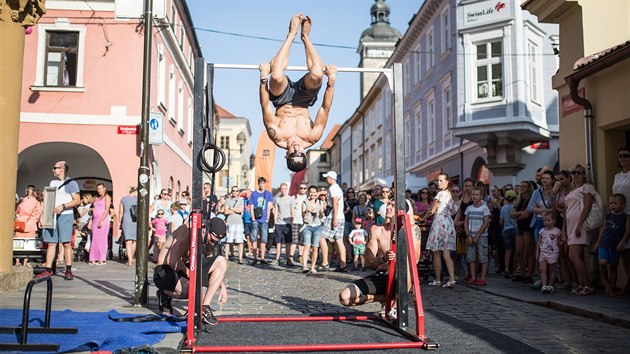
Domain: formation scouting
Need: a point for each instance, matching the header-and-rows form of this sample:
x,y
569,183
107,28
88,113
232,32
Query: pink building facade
x,y
81,99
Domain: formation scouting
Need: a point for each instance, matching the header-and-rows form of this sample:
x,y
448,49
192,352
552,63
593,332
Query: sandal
x,y
450,284
586,291
576,290
436,283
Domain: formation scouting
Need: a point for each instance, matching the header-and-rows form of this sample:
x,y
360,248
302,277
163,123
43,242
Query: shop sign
x,y
128,129
485,11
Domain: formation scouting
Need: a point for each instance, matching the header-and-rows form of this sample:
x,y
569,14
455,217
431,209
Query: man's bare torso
x,y
292,123
175,248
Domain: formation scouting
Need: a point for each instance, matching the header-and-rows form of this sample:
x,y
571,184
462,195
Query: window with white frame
x,y
373,160
532,66
180,107
431,126
406,77
418,118
224,142
379,149
388,153
418,63
191,120
430,50
446,30
62,58
407,137
447,106
161,76
171,93
489,69
366,163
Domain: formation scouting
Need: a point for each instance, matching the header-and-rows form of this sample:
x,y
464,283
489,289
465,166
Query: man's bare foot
x,y
295,23
306,27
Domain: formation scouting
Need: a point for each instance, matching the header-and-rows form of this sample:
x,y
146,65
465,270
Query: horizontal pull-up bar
x,y
303,68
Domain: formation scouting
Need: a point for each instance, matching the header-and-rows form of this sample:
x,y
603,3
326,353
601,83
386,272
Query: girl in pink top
x,y
159,230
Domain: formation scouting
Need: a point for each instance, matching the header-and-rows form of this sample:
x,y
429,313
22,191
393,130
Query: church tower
x,y
377,44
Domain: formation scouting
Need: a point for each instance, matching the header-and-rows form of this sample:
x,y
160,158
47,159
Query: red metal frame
x,y
195,226
416,341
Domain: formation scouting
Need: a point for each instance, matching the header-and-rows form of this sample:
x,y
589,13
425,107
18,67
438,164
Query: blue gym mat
x,y
96,330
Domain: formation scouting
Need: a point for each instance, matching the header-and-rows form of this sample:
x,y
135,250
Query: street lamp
x,y
241,138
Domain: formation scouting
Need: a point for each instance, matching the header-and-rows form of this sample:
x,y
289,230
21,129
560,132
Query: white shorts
x,y
235,233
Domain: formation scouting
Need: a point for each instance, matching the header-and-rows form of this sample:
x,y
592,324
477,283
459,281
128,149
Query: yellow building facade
x,y
594,58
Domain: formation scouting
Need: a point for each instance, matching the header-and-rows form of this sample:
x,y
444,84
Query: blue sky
x,y
335,23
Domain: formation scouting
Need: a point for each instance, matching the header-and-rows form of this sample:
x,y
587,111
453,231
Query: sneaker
x,y
537,285
290,263
273,262
164,302
262,261
68,275
544,289
254,262
45,273
551,289
207,316
435,283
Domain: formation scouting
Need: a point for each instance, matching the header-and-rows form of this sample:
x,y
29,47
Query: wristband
x,y
63,206
263,80
330,85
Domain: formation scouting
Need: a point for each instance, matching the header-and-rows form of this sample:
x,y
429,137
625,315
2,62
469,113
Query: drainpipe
x,y
573,81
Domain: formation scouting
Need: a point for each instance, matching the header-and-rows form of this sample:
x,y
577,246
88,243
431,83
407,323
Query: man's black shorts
x,y
295,95
373,284
165,278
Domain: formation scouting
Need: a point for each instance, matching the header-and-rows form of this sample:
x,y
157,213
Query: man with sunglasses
x,y
66,198
233,208
171,275
297,221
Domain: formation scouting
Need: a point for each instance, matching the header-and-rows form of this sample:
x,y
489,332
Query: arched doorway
x,y
87,166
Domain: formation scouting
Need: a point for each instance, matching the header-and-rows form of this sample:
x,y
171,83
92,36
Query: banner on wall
x,y
265,155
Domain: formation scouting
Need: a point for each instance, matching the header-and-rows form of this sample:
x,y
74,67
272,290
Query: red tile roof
x,y
328,142
582,62
222,113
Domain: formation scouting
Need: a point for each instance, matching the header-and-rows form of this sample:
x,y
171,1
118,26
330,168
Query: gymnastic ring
x,y
219,158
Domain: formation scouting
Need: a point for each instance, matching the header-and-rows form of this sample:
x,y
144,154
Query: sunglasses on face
x,y
624,156
454,191
577,173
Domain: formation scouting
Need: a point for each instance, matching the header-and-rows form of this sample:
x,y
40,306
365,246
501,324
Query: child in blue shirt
x,y
612,238
510,227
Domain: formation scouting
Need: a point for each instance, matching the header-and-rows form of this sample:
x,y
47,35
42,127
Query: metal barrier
x,y
24,329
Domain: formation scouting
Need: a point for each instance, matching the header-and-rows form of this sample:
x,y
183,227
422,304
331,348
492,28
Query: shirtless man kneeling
x,y
171,276
290,126
378,254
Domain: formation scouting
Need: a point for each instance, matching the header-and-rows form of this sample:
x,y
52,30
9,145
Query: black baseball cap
x,y
296,161
216,226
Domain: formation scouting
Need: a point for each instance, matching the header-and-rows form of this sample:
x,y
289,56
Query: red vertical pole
x,y
415,281
195,225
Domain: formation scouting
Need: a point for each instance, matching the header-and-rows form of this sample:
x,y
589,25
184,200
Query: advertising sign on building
x,y
156,128
485,11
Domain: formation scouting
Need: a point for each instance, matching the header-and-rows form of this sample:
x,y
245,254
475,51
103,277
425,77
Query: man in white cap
x,y
334,223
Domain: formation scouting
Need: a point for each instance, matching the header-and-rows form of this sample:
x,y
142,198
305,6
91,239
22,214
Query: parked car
x,y
31,248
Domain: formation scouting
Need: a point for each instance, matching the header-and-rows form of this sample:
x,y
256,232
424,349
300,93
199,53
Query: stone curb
x,y
574,310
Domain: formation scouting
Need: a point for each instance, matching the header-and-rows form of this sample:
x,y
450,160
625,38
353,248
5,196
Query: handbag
x,y
20,226
595,217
